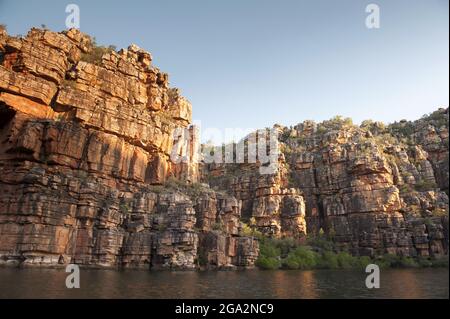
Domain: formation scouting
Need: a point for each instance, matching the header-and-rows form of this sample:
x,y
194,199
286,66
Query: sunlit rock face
x,y
87,175
86,137
372,189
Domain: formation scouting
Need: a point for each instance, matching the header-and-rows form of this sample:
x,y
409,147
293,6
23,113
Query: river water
x,y
394,283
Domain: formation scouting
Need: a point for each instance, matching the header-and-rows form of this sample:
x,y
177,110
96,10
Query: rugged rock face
x,y
86,136
267,202
372,189
87,176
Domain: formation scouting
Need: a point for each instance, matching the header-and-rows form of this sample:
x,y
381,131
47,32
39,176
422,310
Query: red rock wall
x,y
372,190
85,148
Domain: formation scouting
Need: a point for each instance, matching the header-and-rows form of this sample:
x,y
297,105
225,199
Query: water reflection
x,y
50,283
287,284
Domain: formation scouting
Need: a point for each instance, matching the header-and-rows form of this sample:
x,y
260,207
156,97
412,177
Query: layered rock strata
x,y
86,135
372,189
88,176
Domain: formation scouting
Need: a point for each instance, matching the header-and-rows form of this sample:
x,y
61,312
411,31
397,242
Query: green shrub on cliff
x,y
285,245
405,188
268,248
276,247
328,260
347,261
440,262
363,261
439,212
407,262
321,243
193,190
96,53
301,258
424,262
269,254
269,263
437,118
373,127
123,207
394,261
424,185
291,262
250,231
402,129
218,226
95,56
202,259
319,253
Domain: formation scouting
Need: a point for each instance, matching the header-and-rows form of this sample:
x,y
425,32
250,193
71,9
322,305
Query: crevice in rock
x,y
6,115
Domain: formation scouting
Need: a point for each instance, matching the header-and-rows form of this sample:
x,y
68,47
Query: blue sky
x,y
253,63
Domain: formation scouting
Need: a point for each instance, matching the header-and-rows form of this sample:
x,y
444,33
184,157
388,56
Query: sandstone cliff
x,y
372,189
86,176
86,133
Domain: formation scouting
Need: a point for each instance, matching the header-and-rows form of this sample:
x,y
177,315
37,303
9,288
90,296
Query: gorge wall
x,y
372,189
85,139
86,176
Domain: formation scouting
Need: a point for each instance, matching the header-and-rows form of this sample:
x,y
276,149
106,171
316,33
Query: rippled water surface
x,y
395,283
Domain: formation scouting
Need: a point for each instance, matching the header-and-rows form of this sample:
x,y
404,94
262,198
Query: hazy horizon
x,y
256,63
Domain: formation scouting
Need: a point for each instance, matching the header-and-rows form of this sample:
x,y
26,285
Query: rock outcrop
x,y
372,189
86,135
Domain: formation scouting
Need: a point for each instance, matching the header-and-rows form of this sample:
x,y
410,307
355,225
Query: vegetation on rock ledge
x,y
96,53
319,253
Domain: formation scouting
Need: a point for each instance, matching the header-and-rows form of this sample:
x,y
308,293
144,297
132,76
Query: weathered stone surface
x,y
27,85
17,103
432,134
218,250
360,185
276,209
89,142
82,146
372,189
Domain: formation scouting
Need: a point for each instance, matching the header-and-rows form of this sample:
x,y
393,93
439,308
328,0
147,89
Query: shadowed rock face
x,y
373,189
84,149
